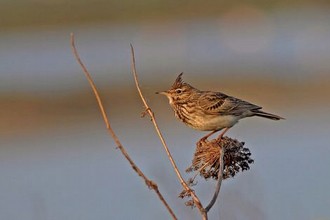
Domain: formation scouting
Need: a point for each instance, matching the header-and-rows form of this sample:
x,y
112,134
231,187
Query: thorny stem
x,y
153,119
148,182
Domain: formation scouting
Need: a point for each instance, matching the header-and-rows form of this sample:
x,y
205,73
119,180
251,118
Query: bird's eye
x,y
178,91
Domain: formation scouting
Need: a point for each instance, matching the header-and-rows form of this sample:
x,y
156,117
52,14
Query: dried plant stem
x,y
220,175
153,119
148,182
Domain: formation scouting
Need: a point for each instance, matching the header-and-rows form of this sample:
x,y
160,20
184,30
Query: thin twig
x,y
220,175
153,119
149,183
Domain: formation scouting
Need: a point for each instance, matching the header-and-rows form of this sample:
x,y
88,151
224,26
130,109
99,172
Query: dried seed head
x,y
206,158
206,161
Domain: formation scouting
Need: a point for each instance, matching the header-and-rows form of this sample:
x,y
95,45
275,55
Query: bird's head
x,y
179,92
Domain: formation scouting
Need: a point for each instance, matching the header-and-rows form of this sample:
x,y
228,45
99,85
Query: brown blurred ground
x,y
60,12
22,113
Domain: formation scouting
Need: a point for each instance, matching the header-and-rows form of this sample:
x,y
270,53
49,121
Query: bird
x,y
209,110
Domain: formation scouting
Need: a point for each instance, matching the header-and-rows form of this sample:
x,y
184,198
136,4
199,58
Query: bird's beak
x,y
163,93
167,94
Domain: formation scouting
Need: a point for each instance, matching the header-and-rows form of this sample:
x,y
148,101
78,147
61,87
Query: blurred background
x,y
56,158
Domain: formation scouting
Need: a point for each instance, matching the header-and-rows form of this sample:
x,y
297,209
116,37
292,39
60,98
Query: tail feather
x,y
268,115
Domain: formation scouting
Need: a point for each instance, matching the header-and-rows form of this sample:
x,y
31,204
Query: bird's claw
x,y
202,141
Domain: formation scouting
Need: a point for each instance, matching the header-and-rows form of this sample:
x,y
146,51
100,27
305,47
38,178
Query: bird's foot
x,y
203,140
221,135
219,139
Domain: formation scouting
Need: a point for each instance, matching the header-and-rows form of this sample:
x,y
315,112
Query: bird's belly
x,y
212,122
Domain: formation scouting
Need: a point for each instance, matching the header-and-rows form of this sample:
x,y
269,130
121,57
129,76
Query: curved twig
x,y
220,175
153,119
152,185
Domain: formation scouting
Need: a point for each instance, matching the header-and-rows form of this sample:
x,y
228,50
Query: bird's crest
x,y
178,82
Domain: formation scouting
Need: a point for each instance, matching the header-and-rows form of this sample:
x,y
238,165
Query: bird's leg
x,y
203,139
222,133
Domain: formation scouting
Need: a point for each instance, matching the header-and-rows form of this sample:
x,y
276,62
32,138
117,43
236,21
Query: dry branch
x,y
151,185
220,175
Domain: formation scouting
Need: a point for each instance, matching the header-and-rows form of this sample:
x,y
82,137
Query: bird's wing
x,y
219,103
